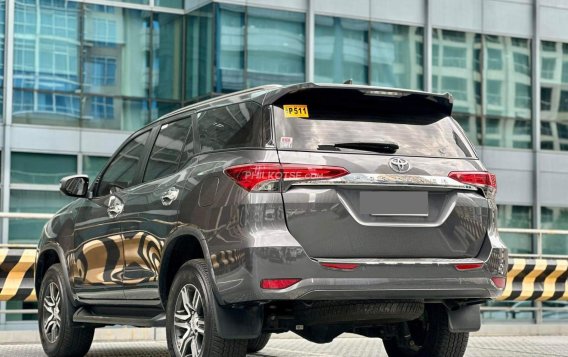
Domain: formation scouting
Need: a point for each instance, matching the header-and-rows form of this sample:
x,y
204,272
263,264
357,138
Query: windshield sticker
x,y
296,111
286,142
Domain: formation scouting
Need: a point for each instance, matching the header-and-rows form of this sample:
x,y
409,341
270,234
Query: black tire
x,y
193,277
430,336
70,339
335,312
257,344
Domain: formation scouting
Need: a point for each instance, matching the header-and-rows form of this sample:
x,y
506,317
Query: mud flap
x,y
238,322
465,319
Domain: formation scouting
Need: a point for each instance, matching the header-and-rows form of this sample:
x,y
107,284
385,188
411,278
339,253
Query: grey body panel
x,y
326,222
246,237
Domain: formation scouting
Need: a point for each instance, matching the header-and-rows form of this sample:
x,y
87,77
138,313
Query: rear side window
x,y
123,168
167,149
232,126
353,121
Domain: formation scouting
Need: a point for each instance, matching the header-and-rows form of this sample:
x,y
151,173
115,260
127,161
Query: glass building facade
x,y
76,77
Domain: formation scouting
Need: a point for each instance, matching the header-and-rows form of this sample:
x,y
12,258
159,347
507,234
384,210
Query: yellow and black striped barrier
x,y
17,274
536,280
527,279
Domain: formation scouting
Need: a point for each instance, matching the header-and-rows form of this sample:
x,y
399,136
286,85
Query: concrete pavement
x,y
479,346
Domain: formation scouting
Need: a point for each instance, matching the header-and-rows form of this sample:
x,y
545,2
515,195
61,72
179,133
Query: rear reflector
x,y
499,281
340,266
277,283
265,176
483,179
469,266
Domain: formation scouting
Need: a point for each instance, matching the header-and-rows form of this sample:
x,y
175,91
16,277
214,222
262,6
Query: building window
x,y
455,69
25,17
275,47
167,59
554,218
565,71
341,50
547,68
494,59
457,86
454,36
522,63
545,99
548,46
117,46
58,43
102,107
508,91
563,106
454,57
510,216
199,53
554,94
178,4
393,48
523,96
92,165
46,45
32,174
102,71
230,48
23,102
45,169
32,201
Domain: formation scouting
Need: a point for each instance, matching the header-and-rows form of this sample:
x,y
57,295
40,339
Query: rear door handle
x,y
115,206
169,196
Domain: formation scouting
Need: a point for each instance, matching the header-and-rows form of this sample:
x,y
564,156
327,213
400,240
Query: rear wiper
x,y
386,147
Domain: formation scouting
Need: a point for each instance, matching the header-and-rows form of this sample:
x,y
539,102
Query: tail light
x,y
484,180
499,281
340,266
274,284
268,176
497,264
469,266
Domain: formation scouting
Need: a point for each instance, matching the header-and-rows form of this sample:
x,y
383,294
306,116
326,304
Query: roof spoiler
x,y
444,102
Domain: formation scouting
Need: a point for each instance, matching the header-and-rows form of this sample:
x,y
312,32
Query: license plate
x,y
394,203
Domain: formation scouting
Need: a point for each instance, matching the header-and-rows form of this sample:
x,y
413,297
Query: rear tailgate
x,y
375,211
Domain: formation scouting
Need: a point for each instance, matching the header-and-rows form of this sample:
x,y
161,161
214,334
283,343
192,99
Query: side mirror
x,y
75,185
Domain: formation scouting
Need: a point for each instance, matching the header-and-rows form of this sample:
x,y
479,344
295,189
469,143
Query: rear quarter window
x,y
231,126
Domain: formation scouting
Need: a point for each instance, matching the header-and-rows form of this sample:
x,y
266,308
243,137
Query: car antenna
x,y
349,81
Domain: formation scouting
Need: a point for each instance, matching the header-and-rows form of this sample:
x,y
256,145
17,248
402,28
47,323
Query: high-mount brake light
x,y
482,179
267,176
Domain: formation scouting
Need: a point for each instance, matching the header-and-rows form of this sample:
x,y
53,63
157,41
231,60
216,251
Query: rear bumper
x,y
368,289
238,276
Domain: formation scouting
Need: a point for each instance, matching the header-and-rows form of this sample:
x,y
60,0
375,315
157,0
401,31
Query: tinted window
x,y
233,126
122,170
416,125
187,151
167,149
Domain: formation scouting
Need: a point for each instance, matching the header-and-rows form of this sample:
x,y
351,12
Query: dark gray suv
x,y
317,209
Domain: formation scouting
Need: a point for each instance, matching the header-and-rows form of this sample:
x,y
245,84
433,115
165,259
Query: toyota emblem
x,y
399,165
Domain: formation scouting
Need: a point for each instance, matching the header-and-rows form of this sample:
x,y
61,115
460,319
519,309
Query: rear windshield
x,y
348,121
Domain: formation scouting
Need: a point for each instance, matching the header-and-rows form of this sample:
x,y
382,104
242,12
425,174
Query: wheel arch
x,y
48,255
182,247
242,323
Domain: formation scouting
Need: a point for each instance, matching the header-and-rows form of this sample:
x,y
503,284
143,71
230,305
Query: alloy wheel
x,y
52,313
189,322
